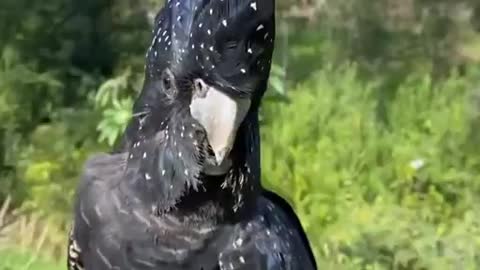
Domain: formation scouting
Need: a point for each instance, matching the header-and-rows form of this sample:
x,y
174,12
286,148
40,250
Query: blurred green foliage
x,y
369,128
15,260
372,196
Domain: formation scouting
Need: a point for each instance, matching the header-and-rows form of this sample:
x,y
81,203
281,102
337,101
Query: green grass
x,y
20,260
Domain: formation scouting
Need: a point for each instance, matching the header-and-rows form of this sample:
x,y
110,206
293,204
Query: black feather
x,y
148,205
115,230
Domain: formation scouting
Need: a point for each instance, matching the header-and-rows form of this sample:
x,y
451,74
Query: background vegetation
x,y
370,127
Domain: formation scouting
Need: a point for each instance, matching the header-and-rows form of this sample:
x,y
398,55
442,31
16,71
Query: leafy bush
x,y
50,164
376,196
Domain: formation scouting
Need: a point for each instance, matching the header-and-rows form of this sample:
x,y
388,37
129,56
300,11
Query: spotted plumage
x,y
183,189
74,262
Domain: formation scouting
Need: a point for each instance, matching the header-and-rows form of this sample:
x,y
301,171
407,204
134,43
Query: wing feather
x,y
74,260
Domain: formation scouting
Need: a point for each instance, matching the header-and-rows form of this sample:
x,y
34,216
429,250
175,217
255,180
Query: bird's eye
x,y
168,84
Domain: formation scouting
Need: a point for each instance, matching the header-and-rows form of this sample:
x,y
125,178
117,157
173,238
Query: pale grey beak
x,y
220,115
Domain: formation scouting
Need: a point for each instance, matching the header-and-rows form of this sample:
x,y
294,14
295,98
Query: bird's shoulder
x,y
95,199
277,208
272,238
102,170
101,178
279,218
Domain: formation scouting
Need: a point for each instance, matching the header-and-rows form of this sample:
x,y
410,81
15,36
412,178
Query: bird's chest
x,y
140,241
119,236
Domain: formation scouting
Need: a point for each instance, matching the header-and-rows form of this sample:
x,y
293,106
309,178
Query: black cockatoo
x,y
183,191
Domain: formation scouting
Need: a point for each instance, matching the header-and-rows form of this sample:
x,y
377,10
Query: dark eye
x,y
168,84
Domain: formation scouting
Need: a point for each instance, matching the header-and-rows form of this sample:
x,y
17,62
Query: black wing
x,y
273,239
90,202
293,220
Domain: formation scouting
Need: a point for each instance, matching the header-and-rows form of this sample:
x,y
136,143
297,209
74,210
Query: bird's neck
x,y
231,195
157,176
